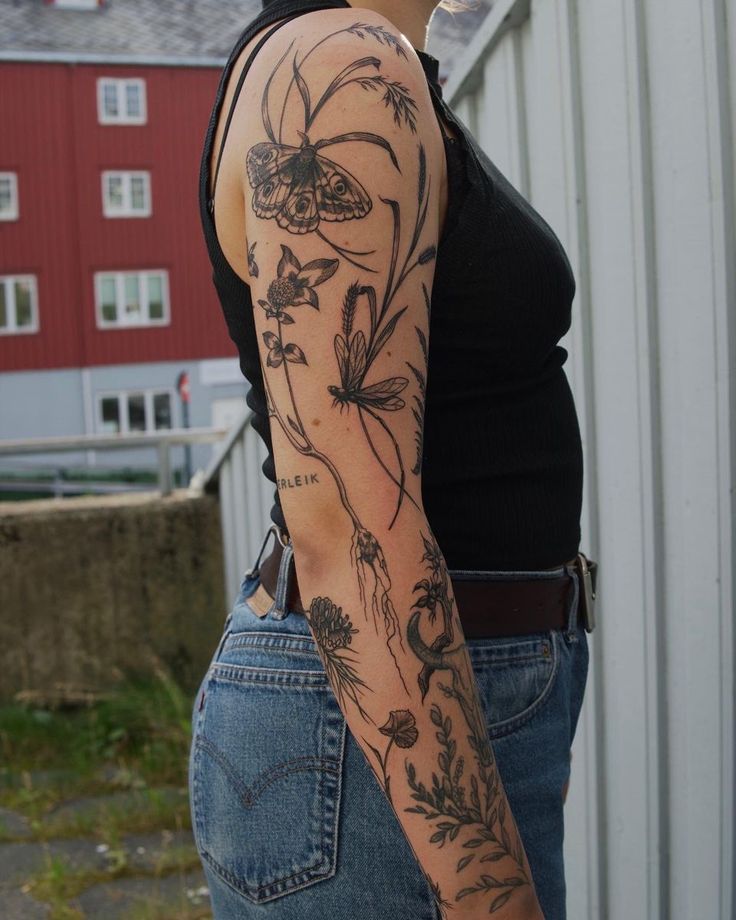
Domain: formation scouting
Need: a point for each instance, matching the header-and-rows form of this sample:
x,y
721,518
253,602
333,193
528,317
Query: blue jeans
x,y
289,820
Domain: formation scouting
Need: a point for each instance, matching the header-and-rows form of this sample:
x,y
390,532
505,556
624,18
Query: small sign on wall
x,y
220,371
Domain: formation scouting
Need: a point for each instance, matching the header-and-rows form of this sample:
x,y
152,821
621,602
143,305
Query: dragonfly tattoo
x,y
355,353
352,355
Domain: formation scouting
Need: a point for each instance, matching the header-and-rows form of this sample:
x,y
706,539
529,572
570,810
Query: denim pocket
x,y
515,676
267,757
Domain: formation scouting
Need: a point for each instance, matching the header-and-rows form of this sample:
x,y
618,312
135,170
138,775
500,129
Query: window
x,y
77,4
121,102
126,194
132,299
18,304
134,412
8,196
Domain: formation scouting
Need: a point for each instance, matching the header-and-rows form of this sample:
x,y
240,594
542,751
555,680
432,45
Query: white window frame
x,y
143,275
14,212
126,177
76,4
122,397
120,84
12,328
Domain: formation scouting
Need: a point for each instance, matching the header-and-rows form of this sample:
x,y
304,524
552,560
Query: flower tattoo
x,y
401,730
332,628
333,633
278,352
295,284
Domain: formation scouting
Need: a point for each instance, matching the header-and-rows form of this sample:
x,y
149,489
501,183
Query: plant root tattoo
x,y
401,730
482,808
333,632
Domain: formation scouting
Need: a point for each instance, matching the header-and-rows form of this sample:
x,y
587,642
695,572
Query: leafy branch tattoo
x,y
482,808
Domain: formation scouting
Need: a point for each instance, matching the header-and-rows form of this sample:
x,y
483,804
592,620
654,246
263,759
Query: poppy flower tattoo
x,y
401,729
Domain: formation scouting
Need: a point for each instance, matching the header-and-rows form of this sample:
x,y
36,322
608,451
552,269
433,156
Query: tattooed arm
x,y
343,159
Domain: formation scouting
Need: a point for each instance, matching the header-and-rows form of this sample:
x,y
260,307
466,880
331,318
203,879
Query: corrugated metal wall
x,y
616,120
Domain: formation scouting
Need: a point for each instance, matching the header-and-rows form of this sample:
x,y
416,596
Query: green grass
x,y
81,476
59,883
135,739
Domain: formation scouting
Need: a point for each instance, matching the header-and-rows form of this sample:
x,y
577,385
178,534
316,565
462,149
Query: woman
x,y
385,728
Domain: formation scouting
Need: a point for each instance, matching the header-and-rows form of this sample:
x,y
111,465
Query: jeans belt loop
x,y
278,533
573,603
278,609
586,571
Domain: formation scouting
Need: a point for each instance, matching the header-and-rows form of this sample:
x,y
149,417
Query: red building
x,y
99,196
105,285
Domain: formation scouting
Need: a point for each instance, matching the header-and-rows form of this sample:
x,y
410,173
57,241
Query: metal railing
x,y
234,472
160,441
245,497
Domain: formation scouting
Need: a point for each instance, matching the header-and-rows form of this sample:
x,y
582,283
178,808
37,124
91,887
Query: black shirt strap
x,y
238,88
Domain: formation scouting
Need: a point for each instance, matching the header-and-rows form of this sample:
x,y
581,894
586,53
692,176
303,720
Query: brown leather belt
x,y
487,607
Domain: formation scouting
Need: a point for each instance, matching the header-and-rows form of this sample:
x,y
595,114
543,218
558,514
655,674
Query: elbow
x,y
318,531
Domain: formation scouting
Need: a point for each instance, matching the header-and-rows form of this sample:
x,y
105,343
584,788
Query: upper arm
x,y
341,190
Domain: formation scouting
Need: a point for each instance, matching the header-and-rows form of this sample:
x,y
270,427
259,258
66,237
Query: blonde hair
x,y
457,6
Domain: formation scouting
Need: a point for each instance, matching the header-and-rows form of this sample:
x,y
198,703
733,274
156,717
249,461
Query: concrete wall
x,y
94,588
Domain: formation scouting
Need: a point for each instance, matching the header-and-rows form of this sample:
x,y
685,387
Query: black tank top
x,y
502,467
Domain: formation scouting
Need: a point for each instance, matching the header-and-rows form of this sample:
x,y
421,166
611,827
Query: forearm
x,y
394,652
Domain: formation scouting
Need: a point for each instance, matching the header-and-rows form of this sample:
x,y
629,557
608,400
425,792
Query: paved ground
x,y
146,876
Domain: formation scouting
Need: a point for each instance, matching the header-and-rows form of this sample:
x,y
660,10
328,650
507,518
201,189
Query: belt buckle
x,y
587,569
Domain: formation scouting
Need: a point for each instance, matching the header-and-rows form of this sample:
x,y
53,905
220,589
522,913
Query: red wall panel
x,y
52,138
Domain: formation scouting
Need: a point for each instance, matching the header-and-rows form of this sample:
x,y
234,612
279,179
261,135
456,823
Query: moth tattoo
x,y
298,187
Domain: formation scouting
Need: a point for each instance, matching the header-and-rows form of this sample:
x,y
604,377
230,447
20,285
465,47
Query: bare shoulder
x,y
360,48
335,104
349,31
